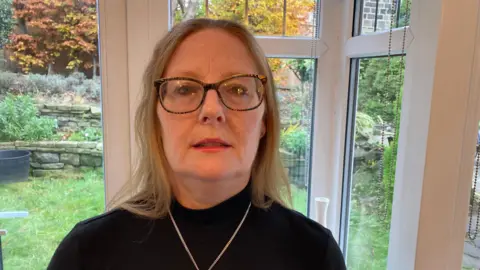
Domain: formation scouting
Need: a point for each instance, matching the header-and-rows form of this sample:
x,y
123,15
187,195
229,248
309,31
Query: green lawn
x,y
367,241
54,207
299,199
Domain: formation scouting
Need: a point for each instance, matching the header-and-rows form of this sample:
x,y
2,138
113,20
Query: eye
x,y
238,90
185,90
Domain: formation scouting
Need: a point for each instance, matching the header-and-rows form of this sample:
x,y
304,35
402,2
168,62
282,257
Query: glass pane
x,y
471,247
373,170
377,15
263,17
50,121
294,81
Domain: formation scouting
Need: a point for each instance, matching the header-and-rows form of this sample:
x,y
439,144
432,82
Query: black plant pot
x,y
14,166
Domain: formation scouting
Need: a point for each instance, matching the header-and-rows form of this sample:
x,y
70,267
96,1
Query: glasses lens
x,y
181,95
241,93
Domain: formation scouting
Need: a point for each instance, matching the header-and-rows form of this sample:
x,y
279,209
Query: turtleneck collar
x,y
229,209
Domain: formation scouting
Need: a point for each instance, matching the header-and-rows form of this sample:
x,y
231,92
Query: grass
x,y
54,206
368,240
299,199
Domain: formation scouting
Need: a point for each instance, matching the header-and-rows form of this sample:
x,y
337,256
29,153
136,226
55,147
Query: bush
x,y
295,139
89,134
19,120
364,124
52,84
377,98
49,85
7,81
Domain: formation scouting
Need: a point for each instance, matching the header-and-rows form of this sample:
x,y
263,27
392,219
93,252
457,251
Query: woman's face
x,y
210,56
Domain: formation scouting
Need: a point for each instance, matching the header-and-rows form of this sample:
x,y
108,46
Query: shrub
x,y
49,85
52,84
19,120
93,88
7,81
295,139
364,124
88,134
76,78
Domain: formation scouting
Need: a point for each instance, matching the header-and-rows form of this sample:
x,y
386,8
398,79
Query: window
x,y
294,81
378,108
376,15
373,124
266,17
51,150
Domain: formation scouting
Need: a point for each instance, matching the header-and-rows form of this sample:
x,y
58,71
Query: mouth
x,y
211,144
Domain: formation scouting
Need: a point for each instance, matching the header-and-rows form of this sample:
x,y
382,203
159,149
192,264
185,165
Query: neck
x,y
206,193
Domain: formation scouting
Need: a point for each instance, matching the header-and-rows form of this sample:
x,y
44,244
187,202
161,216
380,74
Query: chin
x,y
212,174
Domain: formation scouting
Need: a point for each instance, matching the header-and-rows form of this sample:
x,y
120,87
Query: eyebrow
x,y
195,75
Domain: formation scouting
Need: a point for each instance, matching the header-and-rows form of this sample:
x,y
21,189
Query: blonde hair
x,y
148,193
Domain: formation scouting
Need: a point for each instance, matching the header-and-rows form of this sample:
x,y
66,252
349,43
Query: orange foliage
x,y
51,27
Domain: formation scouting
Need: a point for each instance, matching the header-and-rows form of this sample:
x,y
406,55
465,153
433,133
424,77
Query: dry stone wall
x,y
72,117
53,157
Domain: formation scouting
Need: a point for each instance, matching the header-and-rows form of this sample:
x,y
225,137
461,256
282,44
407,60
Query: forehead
x,y
210,54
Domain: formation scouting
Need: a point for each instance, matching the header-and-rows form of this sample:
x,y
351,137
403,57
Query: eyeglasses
x,y
182,95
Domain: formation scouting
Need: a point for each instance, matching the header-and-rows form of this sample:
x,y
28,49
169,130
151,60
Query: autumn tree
x,y
262,17
49,28
79,32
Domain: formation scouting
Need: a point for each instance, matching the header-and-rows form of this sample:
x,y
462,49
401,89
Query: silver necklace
x,y
224,248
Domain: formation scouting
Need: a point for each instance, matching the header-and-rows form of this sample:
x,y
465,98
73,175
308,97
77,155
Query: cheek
x,y
248,129
174,130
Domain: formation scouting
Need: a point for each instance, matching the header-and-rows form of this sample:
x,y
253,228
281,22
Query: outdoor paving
x,y
471,250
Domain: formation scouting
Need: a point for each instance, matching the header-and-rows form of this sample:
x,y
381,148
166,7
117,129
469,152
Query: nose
x,y
212,110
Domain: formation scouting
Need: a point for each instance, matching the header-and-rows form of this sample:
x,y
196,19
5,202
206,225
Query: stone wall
x,y
383,15
72,117
53,157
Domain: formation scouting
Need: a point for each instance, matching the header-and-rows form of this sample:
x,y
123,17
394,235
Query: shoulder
x,y
313,240
93,237
110,221
300,224
111,226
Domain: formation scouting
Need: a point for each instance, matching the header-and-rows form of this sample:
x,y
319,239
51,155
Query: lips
x,y
211,143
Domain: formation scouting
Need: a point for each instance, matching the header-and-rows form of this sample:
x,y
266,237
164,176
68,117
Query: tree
x,y
262,17
375,96
6,21
49,28
404,15
79,32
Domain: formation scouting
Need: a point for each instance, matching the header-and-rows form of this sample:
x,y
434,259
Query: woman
x,y
209,188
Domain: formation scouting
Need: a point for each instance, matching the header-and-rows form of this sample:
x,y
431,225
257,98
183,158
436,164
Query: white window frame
x,y
129,30
439,116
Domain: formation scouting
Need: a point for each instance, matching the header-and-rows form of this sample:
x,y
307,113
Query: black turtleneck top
x,y
276,238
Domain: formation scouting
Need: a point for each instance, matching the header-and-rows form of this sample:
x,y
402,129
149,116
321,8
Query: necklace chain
x,y
224,248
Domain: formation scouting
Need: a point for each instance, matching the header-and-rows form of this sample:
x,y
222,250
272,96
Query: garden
x,y
49,105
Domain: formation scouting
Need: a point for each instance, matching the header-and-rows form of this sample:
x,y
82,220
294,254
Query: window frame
x,y
129,29
413,244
